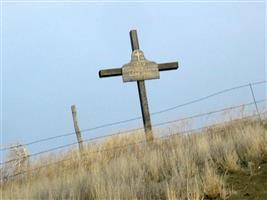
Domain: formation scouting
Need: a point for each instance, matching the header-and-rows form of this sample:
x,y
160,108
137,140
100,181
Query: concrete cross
x,y
140,69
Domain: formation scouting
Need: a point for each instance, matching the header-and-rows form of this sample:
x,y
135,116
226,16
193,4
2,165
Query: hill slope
x,y
223,162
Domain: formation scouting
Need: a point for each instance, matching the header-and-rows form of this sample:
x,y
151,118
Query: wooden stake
x,y
76,127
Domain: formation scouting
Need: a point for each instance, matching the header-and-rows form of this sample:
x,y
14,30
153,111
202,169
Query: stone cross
x,y
140,69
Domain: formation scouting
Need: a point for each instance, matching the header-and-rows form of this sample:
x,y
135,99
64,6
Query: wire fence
x,y
131,144
90,140
137,129
249,85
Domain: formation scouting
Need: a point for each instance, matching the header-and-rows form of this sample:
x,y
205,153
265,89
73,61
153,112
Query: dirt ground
x,y
246,186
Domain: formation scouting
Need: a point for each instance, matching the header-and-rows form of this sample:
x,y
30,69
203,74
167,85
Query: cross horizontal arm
x,y
118,71
110,72
168,66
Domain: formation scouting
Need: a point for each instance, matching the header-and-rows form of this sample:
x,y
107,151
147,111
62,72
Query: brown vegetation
x,y
193,166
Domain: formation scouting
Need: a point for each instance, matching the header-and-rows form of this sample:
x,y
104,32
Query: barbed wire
x,y
211,112
135,118
134,143
135,129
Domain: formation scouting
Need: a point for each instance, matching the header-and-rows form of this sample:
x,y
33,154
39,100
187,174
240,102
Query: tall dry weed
x,y
179,167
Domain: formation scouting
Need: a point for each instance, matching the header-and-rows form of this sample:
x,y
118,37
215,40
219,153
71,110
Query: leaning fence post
x,y
76,127
255,102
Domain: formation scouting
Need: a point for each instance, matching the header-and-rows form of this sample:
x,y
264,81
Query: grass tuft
x,y
187,167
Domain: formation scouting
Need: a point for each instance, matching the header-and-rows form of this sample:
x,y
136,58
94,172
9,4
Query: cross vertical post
x,y
142,94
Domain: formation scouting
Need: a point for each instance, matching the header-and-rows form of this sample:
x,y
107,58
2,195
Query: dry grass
x,y
181,167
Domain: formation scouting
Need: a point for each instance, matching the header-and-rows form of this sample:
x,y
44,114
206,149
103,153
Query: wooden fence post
x,y
255,102
76,127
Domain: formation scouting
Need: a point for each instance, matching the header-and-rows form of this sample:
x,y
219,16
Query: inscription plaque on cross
x,y
140,69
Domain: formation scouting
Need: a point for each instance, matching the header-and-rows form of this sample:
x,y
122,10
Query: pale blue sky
x,y
52,53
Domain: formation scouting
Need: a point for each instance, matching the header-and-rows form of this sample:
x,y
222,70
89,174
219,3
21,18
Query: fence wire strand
x,y
134,143
135,118
135,129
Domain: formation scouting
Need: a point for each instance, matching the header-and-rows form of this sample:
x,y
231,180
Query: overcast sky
x,y
52,53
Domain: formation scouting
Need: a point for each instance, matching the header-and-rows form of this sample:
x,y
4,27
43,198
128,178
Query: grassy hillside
x,y
223,162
